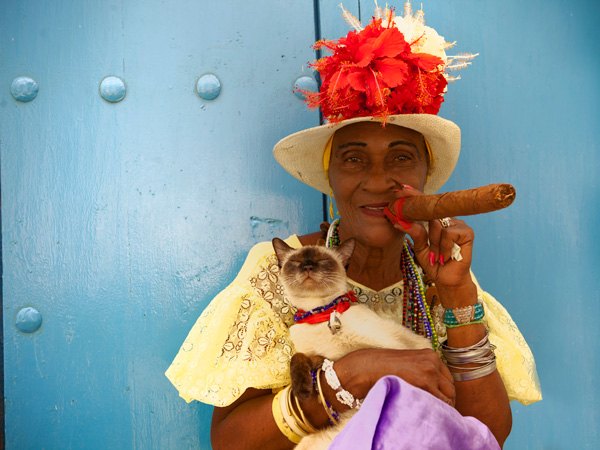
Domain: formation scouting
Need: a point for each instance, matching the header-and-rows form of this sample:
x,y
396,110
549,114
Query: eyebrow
x,y
351,144
391,145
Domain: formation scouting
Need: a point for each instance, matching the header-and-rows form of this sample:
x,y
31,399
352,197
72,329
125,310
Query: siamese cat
x,y
312,277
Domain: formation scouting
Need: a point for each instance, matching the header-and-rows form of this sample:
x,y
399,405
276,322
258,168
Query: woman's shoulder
x,y
262,253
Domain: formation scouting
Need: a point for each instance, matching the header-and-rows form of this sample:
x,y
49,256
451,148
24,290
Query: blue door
x,y
136,172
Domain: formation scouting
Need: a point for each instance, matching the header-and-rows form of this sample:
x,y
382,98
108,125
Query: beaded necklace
x,y
415,311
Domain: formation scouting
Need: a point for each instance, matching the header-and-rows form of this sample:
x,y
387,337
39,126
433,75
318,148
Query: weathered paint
x,y
120,222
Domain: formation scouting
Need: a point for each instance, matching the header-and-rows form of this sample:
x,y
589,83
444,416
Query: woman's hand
x,y
360,370
433,249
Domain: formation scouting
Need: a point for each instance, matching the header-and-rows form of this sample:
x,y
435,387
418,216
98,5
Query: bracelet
x,y
333,416
447,349
302,420
474,374
286,409
341,394
280,421
462,324
464,316
480,353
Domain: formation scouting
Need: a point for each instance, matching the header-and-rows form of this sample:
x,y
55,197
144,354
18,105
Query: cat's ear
x,y
281,249
345,250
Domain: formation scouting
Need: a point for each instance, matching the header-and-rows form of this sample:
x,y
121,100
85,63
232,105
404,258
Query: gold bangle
x,y
286,409
280,421
323,401
303,421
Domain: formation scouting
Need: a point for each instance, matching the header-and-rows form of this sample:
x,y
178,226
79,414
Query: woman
x,y
239,350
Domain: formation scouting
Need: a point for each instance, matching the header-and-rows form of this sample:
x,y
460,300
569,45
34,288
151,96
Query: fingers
x,y
443,239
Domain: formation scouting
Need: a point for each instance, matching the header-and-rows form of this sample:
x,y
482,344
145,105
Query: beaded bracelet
x,y
464,316
462,324
341,394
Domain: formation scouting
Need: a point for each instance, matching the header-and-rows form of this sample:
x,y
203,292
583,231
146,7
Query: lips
x,y
374,209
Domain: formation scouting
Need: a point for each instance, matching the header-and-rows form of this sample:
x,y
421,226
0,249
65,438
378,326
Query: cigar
x,y
469,202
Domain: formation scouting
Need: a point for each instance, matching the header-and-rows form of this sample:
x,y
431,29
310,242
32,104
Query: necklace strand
x,y
415,311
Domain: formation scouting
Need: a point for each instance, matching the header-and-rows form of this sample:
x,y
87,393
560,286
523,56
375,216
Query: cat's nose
x,y
307,266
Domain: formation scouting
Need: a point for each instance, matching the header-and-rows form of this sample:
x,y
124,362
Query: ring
x,y
445,222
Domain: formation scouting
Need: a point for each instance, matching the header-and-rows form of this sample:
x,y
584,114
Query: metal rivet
x,y
208,86
24,89
28,320
112,89
307,84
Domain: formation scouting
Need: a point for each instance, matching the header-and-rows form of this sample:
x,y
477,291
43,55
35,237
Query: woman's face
x,y
368,162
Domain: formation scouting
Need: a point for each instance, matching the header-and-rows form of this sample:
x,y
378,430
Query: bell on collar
x,y
334,324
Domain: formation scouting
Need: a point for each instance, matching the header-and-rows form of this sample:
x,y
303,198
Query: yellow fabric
x,y
241,339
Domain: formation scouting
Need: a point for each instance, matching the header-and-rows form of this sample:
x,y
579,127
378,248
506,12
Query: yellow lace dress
x,y
241,339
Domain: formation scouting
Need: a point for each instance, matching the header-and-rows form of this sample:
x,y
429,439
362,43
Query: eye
x,y
352,159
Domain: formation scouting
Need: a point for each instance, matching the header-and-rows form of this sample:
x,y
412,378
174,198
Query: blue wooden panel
x,y
121,221
528,111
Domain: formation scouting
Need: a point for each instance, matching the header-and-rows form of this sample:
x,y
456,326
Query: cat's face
x,y
313,271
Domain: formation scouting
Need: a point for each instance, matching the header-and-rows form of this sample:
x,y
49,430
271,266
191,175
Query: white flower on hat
x,y
422,39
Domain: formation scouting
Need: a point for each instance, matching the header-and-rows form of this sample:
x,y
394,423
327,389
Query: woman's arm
x,y
484,398
248,423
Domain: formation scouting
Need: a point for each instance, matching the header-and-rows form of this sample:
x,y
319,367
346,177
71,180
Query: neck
x,y
376,267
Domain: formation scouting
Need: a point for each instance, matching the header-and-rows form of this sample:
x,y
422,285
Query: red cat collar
x,y
323,313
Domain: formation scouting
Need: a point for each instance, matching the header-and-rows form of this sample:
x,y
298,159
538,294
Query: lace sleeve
x,y
514,359
241,340
513,356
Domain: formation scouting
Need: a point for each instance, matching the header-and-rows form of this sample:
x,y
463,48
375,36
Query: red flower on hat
x,y
373,72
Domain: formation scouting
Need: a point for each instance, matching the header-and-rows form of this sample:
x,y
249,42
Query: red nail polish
x,y
432,259
442,260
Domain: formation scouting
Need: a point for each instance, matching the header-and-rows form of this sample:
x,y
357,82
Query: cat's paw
x,y
301,368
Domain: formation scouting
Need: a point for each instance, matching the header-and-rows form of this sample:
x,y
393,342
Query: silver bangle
x,y
474,374
341,394
446,349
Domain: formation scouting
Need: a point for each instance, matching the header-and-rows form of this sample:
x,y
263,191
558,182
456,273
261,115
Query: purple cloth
x,y
396,415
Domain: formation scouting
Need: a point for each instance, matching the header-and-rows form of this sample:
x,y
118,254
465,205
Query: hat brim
x,y
301,153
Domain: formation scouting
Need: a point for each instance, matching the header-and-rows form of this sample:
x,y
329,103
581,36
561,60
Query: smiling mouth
x,y
374,209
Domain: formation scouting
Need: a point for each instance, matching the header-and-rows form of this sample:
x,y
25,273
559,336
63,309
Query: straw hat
x,y
393,71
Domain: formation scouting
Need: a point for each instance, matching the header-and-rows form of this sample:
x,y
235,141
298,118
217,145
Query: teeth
x,y
378,208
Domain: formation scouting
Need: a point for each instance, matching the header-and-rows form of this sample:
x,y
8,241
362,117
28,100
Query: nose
x,y
308,265
378,179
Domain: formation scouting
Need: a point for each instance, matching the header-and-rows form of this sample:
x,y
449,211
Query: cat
x,y
312,276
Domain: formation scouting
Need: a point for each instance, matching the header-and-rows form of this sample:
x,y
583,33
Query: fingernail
x,y
432,259
442,260
406,186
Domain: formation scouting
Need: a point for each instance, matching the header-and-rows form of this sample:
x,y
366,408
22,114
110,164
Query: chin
x,y
384,235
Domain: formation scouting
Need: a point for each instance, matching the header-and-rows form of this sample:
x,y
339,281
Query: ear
x,y
345,250
281,249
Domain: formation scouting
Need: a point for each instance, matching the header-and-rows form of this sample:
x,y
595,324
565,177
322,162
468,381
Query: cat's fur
x,y
313,276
